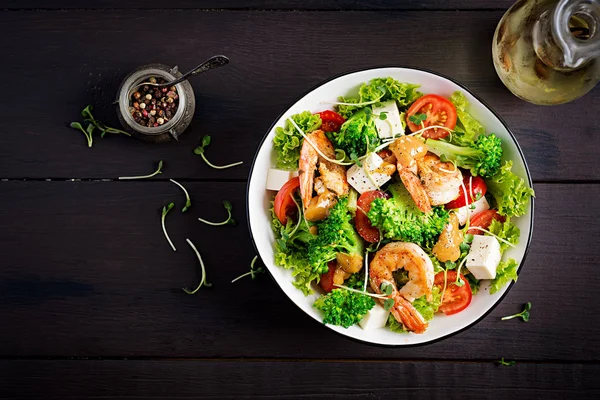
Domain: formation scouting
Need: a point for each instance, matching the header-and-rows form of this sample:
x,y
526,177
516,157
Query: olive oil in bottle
x,y
548,51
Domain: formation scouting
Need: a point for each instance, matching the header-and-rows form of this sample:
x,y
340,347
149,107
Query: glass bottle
x,y
548,51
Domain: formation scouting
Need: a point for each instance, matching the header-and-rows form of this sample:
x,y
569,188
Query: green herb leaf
x,y
254,271
206,140
354,158
417,118
524,315
158,171
386,288
388,304
383,115
228,221
506,363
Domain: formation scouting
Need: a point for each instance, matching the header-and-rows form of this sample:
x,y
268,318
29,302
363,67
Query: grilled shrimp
x,y
407,150
429,181
412,258
441,180
332,176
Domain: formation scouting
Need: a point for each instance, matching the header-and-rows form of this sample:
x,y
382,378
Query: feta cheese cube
x,y
480,205
376,318
484,257
360,180
392,125
276,178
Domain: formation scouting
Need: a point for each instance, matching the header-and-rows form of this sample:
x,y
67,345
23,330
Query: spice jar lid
x,y
171,129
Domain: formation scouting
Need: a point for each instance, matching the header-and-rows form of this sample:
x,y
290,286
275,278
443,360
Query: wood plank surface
x,y
86,272
56,76
262,4
191,379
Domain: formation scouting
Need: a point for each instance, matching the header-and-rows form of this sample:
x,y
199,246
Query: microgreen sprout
x,y
188,201
253,271
506,363
93,124
375,296
383,115
200,151
158,171
165,211
523,314
203,278
387,289
417,119
229,220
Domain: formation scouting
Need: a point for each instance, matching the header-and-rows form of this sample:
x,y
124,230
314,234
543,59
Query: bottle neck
x,y
568,36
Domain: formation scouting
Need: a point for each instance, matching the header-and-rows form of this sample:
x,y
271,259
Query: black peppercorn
x,y
151,106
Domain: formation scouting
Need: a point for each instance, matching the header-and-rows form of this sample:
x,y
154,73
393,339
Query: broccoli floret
x,y
482,158
357,135
335,235
343,307
399,218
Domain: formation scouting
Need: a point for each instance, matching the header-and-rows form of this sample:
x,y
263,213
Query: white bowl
x,y
259,216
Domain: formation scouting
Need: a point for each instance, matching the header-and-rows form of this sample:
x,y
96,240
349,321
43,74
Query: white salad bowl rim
x,y
256,190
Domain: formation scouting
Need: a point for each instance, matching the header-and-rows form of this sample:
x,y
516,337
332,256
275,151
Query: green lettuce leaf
x,y
381,89
505,230
428,308
467,128
394,325
291,248
288,141
510,192
506,272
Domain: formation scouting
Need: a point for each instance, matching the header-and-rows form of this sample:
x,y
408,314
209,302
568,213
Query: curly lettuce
x,y
291,246
288,141
467,128
510,191
505,230
506,272
380,89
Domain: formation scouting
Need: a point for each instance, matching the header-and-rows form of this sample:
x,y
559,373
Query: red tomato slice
x,y
456,298
484,220
439,111
474,185
326,281
284,203
332,121
363,225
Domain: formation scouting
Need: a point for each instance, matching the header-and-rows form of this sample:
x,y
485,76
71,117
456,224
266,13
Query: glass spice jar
x,y
173,128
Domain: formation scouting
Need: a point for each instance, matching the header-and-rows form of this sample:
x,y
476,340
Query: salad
x,y
394,206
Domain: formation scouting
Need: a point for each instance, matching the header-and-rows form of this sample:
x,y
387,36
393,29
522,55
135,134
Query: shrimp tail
x,y
407,314
413,184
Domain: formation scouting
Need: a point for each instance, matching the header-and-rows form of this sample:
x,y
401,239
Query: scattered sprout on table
x,y
165,211
203,281
254,272
523,314
93,124
506,362
188,201
228,221
158,171
200,151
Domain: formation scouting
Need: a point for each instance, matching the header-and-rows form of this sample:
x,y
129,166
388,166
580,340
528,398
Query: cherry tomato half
x,y
284,203
456,298
332,121
484,220
326,281
475,185
439,111
363,225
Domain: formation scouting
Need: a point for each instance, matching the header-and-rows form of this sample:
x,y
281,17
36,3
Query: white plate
x,y
259,217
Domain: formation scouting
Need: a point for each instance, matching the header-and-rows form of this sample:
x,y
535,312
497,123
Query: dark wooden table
x,y
90,299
